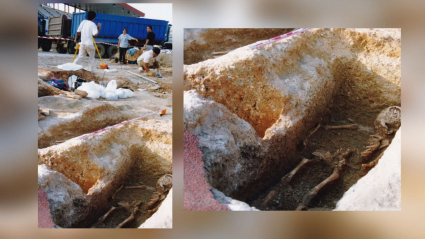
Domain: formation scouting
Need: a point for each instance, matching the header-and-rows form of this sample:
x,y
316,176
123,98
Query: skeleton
x,y
310,134
341,159
163,185
386,124
336,161
116,192
122,205
133,214
348,126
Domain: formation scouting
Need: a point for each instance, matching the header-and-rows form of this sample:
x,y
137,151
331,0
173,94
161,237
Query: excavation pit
x,y
82,176
255,112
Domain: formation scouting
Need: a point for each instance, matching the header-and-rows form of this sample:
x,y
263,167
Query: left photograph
x,y
104,115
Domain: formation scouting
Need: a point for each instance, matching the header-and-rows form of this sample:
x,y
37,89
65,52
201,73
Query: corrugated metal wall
x,y
112,26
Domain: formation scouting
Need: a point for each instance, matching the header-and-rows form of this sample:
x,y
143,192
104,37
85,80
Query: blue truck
x,y
61,32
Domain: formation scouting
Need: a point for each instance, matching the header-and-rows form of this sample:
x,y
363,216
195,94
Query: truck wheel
x,y
71,47
46,45
167,46
60,49
102,50
112,50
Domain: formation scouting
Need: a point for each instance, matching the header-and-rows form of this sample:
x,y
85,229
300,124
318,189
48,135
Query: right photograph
x,y
292,119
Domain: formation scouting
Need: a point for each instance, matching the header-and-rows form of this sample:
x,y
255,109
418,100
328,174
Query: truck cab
x,y
168,44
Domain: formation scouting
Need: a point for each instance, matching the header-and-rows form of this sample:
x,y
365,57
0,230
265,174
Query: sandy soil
x,y
88,115
201,43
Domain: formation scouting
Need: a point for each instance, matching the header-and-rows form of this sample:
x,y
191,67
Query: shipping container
x,y
113,25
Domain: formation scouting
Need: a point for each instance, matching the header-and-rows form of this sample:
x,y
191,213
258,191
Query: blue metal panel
x,y
113,25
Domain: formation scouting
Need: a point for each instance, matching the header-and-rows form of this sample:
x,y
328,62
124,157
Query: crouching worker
x,y
143,61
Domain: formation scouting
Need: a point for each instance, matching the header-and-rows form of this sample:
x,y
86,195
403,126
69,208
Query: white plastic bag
x,y
124,93
112,86
120,93
93,90
110,95
128,93
70,67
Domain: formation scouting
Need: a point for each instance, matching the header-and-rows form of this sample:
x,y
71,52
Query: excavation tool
x,y
144,78
76,50
102,66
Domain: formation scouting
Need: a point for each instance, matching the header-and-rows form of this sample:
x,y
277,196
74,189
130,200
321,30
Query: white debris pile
x,y
70,67
109,93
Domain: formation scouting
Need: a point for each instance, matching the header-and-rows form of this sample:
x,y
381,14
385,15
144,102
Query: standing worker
x,y
143,60
87,30
150,38
123,44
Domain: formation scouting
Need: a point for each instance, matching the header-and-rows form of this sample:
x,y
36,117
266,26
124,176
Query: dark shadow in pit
x,y
141,173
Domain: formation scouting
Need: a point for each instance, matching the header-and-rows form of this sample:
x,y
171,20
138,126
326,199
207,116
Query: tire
x,y
112,50
71,47
60,49
46,45
101,49
167,46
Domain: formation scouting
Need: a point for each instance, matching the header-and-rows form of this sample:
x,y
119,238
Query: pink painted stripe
x,y
274,39
114,126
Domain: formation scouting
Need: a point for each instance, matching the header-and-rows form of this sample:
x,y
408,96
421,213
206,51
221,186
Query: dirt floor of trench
x,y
138,176
289,196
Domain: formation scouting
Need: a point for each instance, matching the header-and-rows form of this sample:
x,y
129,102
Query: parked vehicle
x,y
168,44
61,32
